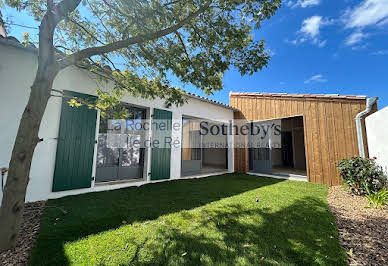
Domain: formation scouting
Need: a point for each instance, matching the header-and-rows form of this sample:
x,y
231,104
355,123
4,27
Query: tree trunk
x,y
19,168
27,138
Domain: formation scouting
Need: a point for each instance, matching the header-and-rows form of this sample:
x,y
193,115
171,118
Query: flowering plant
x,y
362,176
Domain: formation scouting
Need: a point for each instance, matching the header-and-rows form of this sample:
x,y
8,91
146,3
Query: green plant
x,y
379,199
362,176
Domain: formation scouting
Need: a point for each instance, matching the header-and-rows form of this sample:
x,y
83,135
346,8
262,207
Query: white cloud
x,y
311,26
322,43
380,52
303,3
367,13
315,78
310,31
359,47
383,22
355,38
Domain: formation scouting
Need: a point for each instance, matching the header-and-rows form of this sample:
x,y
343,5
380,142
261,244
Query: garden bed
x,y
363,231
28,233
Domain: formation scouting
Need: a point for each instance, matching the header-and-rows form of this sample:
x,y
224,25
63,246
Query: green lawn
x,y
213,220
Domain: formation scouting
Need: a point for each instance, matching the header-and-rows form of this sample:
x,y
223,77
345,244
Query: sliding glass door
x,y
119,155
203,153
191,147
264,136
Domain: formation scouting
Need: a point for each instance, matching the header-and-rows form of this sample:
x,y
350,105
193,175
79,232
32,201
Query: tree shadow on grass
x,y
300,234
93,213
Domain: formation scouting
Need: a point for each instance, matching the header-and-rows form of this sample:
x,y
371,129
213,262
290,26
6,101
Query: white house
x,y
77,155
377,133
72,157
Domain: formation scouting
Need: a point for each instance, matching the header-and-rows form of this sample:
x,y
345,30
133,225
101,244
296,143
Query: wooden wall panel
x,y
323,143
307,144
312,124
330,138
329,127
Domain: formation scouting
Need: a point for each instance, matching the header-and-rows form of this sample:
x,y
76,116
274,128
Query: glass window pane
x,y
111,132
261,154
106,157
130,157
191,140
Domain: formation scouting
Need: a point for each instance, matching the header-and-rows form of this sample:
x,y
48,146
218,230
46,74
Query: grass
x,y
211,221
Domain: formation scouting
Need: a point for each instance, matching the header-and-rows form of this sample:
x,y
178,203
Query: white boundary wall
x,y
377,135
17,70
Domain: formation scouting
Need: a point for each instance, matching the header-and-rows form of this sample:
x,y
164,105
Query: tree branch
x,y
92,51
46,59
20,25
87,31
183,45
100,19
63,9
171,3
117,10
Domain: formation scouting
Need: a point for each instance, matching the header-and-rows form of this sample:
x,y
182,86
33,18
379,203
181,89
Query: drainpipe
x,y
360,138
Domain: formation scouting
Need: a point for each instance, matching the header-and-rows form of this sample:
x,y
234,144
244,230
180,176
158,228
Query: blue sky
x,y
317,46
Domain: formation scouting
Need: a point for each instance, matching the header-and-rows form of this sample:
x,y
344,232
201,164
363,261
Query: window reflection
x,y
119,144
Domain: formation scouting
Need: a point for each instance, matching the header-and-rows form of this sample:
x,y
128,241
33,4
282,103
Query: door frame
x,y
306,143
228,149
146,152
95,148
251,160
181,136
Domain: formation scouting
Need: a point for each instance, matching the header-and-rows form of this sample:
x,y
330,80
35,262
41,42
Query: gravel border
x,y
363,232
28,233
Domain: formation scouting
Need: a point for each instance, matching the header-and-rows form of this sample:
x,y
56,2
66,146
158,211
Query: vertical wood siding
x,y
329,129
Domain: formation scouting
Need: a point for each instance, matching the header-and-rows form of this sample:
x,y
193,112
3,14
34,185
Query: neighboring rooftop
x,y
298,95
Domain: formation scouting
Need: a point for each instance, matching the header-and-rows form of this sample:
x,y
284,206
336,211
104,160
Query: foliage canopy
x,y
194,40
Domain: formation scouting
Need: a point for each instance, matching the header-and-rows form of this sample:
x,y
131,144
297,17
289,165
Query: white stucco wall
x,y
17,69
377,135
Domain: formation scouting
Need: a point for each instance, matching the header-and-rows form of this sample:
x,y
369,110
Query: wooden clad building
x,y
328,125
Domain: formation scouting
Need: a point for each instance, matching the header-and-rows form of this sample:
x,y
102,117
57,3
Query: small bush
x,y
363,176
379,199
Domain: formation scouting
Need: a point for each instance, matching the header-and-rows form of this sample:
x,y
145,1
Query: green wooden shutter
x,y
75,148
161,156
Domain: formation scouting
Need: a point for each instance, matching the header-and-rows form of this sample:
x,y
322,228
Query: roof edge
x,y
13,42
204,99
299,95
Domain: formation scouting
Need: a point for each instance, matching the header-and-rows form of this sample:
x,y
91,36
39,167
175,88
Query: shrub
x,y
378,199
363,176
